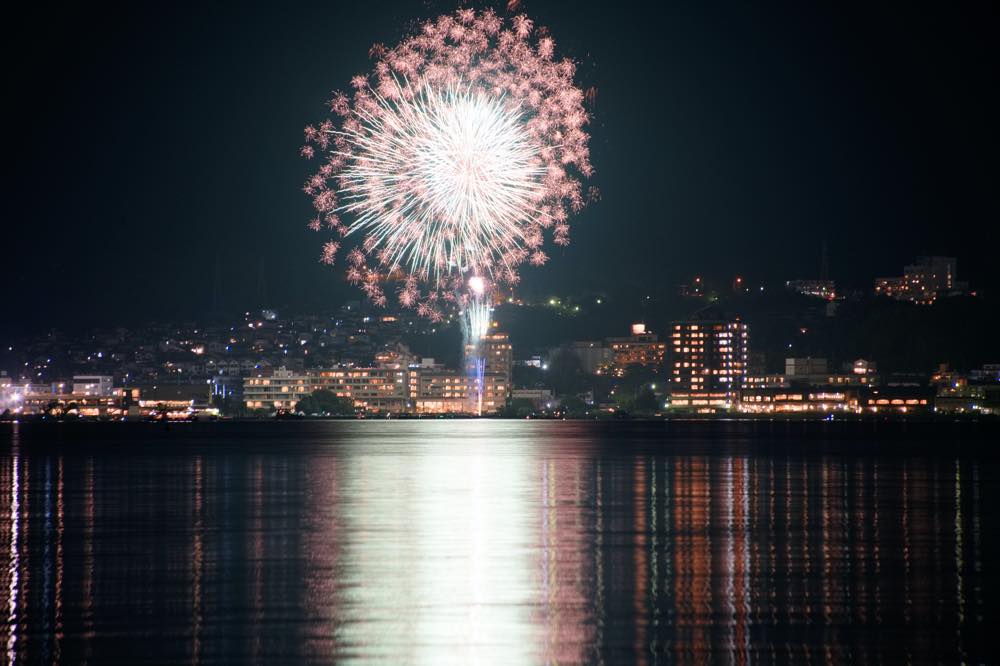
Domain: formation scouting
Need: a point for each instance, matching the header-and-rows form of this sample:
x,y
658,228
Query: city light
x,y
352,395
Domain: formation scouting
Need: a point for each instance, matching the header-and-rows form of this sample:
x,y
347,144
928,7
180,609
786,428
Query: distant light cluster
x,y
452,161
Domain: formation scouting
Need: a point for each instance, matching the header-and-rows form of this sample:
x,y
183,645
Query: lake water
x,y
499,542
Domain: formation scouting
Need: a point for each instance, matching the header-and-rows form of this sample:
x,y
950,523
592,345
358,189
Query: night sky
x,y
153,149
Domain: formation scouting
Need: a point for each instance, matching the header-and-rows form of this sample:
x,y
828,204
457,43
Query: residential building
x,y
923,282
643,347
375,389
708,364
796,368
171,400
896,399
826,400
497,353
395,384
539,398
92,385
436,389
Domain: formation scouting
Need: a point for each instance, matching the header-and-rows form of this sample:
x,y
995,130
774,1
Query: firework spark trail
x,y
455,157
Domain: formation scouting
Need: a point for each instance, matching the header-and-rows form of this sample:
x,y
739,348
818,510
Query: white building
x,y
805,367
373,389
92,385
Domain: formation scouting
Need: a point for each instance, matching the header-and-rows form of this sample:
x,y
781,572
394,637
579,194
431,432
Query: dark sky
x,y
148,146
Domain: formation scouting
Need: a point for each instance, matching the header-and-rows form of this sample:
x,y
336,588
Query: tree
x,y
565,374
228,406
636,377
518,408
528,376
646,402
325,402
573,406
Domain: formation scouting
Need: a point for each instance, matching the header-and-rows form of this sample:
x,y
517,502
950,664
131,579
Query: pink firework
x,y
453,160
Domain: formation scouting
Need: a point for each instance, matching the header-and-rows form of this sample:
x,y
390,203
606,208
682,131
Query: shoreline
x,y
891,431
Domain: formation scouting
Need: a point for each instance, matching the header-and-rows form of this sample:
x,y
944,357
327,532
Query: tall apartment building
x,y
496,382
497,353
492,381
708,362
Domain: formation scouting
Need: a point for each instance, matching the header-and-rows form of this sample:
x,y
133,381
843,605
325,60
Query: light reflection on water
x,y
486,542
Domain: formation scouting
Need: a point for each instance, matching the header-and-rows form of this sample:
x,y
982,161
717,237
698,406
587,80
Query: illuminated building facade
x,y
498,354
496,382
643,347
962,397
447,391
378,389
93,396
804,367
958,393
897,400
281,389
92,385
394,385
168,400
491,382
824,400
761,380
539,398
815,372
708,364
59,404
435,389
923,282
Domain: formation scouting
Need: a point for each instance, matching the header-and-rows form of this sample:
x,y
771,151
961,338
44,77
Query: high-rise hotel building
x,y
708,362
497,353
497,356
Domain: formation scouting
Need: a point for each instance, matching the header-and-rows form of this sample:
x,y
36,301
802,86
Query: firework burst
x,y
442,183
452,161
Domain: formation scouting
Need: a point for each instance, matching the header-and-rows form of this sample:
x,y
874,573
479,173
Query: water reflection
x,y
486,542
